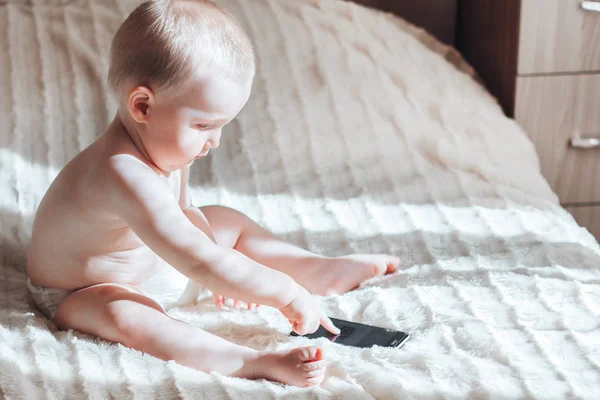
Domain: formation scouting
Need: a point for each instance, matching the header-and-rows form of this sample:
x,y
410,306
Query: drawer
x,y
558,36
552,110
588,217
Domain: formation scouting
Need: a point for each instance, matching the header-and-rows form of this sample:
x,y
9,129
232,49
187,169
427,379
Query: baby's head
x,y
181,70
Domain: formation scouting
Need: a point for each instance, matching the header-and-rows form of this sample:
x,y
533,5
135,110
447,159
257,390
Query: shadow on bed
x,y
14,237
163,386
462,253
462,190
416,247
422,252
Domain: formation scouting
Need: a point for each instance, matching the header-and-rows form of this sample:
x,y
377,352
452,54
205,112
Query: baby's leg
x,y
318,274
121,313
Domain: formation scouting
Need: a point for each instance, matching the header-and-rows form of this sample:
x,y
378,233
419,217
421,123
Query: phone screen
x,y
361,335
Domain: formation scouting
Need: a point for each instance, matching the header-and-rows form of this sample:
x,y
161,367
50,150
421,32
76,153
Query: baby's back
x,y
77,240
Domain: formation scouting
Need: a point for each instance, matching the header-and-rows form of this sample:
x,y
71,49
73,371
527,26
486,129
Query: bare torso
x,y
77,240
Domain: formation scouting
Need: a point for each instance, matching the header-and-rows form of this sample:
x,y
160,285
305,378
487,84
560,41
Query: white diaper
x,y
47,299
164,287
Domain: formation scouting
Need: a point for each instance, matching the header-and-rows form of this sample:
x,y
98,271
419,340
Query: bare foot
x,y
302,367
326,276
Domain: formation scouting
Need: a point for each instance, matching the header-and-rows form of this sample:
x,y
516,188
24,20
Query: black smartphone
x,y
360,335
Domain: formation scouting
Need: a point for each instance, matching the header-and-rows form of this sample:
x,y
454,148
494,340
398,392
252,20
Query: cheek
x,y
164,126
191,141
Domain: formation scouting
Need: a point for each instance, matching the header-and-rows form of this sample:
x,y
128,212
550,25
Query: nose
x,y
214,140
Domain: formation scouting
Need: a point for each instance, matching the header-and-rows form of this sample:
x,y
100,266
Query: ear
x,y
140,103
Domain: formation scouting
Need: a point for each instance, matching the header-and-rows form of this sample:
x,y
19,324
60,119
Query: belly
x,y
78,268
131,266
140,267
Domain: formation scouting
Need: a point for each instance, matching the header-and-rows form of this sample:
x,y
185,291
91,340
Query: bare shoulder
x,y
123,169
124,164
129,178
130,184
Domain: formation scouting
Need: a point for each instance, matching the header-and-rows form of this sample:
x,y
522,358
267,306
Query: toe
x,y
317,380
392,263
312,366
311,353
316,373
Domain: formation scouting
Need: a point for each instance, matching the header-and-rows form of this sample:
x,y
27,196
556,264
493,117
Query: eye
x,y
202,127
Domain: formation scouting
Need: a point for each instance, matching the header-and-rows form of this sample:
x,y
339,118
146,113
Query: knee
x,y
195,215
218,212
217,209
124,319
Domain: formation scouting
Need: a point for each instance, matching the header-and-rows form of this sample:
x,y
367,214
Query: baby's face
x,y
182,129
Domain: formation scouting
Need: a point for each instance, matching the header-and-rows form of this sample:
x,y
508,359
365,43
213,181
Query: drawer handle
x,y
590,5
579,142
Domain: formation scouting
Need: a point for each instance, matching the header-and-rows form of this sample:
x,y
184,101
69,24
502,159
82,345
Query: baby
x,y
119,213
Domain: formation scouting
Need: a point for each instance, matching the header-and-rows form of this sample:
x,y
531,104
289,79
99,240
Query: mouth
x,y
204,152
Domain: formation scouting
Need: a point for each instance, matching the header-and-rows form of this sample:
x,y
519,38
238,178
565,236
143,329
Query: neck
x,y
126,127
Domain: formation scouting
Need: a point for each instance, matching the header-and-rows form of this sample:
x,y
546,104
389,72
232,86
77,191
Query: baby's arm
x,y
199,220
145,202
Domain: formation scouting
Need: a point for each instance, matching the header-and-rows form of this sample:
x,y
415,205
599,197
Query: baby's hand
x,y
305,315
220,302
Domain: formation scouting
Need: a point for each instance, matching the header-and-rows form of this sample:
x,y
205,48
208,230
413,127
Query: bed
x,y
364,133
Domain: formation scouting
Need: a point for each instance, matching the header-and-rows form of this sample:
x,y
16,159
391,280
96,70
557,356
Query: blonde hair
x,y
162,43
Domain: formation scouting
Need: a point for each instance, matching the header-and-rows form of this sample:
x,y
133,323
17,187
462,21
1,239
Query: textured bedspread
x,y
363,134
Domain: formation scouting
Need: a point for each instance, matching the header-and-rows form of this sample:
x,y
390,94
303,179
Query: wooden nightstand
x,y
541,59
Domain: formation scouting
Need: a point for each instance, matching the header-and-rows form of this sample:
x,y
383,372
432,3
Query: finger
x,y
318,323
249,306
218,300
299,328
327,324
314,326
236,304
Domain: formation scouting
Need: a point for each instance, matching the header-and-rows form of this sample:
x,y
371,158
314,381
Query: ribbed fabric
x,y
363,134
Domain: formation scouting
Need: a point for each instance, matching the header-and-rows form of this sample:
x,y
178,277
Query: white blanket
x,y
363,134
